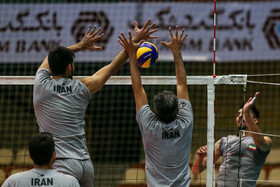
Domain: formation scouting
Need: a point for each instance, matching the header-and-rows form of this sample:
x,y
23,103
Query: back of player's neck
x,y
58,76
42,167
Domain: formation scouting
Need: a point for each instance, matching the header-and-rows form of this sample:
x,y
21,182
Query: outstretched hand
x,y
145,32
250,102
90,38
130,46
176,41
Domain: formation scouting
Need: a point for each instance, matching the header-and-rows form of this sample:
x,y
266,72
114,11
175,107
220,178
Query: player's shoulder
x,y
144,111
183,103
68,179
15,178
62,175
43,71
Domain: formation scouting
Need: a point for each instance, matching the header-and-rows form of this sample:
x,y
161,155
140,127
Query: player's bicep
x,y
182,92
93,83
217,150
45,64
267,144
140,98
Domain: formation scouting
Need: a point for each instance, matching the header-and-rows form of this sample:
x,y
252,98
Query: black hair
x,y
254,111
166,106
59,58
41,148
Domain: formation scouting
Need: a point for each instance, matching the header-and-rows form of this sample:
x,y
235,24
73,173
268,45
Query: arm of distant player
x,y
200,163
86,43
175,46
262,142
97,80
131,48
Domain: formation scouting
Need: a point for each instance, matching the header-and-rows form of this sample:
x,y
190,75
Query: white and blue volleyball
x,y
147,55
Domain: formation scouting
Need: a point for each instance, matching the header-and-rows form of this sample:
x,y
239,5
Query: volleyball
x,y
147,55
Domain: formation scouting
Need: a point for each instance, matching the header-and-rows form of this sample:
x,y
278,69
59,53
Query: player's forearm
x,y
118,61
199,165
114,66
182,90
76,47
135,74
179,68
258,138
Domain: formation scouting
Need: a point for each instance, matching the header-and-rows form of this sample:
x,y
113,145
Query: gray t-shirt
x,y
167,146
60,106
40,177
248,161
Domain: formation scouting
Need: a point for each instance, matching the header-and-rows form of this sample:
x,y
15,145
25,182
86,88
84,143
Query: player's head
x,y
41,149
61,61
254,113
166,106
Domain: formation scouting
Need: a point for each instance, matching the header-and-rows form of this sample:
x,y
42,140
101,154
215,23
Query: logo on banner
x,y
99,19
271,29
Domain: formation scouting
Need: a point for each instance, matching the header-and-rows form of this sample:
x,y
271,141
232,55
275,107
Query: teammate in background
x,y
166,132
239,162
60,102
42,152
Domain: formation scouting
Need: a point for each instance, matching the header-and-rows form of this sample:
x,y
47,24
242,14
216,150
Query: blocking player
x,y
166,132
60,102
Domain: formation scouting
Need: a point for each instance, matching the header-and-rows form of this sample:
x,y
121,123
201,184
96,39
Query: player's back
x,y
167,146
60,106
40,177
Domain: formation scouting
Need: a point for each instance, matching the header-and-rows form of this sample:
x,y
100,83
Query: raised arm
x,y
86,43
97,80
262,142
131,48
200,162
175,46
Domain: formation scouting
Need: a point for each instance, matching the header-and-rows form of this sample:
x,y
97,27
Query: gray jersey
x,y
60,106
248,161
40,177
167,146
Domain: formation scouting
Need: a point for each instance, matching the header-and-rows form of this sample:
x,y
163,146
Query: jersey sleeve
x,y
145,118
185,111
222,143
6,183
73,182
11,180
41,76
84,92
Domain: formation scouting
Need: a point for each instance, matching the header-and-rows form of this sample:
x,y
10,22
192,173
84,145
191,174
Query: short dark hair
x,y
41,148
254,111
166,106
59,58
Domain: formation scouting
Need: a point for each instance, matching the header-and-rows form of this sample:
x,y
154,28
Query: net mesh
x,y
113,136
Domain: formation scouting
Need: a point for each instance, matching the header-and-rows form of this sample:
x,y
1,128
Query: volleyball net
x,y
247,54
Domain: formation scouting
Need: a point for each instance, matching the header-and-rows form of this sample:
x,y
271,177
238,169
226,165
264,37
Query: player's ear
x,y
53,156
256,120
69,67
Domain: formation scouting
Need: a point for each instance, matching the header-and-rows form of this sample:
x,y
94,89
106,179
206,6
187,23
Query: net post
x,y
210,132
